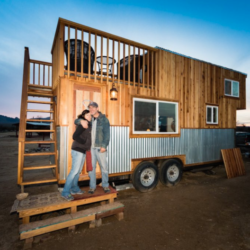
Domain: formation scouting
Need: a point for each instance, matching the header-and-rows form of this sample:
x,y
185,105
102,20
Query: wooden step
x,y
39,167
38,182
39,154
34,86
40,111
52,224
39,102
40,94
38,120
48,225
38,142
33,130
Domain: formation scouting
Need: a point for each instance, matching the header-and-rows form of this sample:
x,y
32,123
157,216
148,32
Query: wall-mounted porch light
x,y
113,93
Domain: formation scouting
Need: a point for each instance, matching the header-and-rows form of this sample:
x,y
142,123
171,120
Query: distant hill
x,y
8,120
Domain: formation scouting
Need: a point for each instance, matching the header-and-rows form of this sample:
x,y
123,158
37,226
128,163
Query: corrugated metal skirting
x,y
62,146
199,145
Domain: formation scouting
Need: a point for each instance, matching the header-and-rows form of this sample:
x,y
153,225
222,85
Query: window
x,y
212,115
154,117
231,88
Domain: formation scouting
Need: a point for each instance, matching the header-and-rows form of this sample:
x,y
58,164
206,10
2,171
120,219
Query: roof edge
x,y
198,60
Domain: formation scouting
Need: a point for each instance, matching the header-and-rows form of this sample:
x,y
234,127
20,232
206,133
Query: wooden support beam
x,y
82,50
92,224
39,102
38,182
89,58
119,216
39,142
39,167
107,60
40,154
38,120
40,111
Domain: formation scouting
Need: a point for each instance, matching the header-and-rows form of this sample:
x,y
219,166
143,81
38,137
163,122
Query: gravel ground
x,y
201,212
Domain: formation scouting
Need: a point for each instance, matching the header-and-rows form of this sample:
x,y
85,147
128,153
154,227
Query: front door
x,y
83,95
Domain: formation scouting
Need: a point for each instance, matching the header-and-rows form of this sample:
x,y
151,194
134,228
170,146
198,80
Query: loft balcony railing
x,y
40,73
81,51
37,73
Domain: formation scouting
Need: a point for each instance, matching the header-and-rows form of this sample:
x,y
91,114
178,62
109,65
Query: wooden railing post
x,y
23,113
61,50
22,123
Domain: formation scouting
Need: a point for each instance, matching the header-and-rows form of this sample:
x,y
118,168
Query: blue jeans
x,y
73,177
102,160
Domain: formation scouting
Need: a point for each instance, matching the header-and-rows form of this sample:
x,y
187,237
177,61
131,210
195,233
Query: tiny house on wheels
x,y
167,111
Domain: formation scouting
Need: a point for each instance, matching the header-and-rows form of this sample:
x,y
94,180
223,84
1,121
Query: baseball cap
x,y
93,104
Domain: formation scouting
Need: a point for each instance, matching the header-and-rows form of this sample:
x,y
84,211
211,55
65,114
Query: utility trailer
x,y
169,111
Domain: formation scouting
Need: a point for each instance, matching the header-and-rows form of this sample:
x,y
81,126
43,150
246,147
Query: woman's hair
x,y
84,112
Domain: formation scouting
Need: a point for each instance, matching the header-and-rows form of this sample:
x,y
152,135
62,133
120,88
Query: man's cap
x,y
93,104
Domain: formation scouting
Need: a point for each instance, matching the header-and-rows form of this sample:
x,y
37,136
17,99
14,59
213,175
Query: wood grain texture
x,y
233,162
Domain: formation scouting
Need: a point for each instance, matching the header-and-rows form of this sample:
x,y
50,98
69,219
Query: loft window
x,y
231,88
154,117
212,115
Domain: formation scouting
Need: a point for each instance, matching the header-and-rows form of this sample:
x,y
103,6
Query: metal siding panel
x,y
62,146
199,145
119,157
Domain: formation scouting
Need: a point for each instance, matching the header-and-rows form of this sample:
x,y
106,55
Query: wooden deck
x,y
43,203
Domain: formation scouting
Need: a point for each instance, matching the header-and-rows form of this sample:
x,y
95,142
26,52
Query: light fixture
x,y
113,93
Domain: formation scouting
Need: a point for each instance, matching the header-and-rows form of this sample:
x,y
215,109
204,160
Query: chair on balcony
x,y
79,52
138,68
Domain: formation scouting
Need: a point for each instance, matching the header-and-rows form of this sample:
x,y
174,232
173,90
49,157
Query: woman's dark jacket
x,y
82,139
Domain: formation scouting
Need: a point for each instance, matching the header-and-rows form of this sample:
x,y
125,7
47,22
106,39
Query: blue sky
x,y
213,31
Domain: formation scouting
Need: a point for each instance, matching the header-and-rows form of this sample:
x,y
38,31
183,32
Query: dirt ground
x,y
203,212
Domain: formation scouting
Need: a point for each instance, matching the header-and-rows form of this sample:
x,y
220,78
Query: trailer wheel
x,y
145,177
170,172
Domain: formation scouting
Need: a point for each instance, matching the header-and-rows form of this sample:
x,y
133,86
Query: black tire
x,y
170,172
145,176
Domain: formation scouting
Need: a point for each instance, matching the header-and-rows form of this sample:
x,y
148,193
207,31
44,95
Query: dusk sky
x,y
214,31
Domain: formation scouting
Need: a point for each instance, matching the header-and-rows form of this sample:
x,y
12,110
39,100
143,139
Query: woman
x,y
81,144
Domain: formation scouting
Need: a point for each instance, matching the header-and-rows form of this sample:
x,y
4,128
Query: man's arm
x,y
77,121
82,122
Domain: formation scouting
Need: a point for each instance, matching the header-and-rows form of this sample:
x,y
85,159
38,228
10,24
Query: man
x,y
100,135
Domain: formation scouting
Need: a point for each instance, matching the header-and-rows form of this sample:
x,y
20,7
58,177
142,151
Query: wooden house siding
x,y
192,83
197,84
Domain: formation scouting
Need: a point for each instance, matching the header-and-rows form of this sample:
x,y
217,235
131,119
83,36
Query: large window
x,y
154,117
212,114
231,88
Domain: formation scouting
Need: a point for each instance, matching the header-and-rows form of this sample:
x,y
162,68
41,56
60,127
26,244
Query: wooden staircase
x,y
44,91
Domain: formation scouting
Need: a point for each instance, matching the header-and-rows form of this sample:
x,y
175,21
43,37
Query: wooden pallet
x,y
44,203
233,162
92,215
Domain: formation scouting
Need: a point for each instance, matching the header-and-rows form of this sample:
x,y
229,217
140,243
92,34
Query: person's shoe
x,y
68,197
106,189
91,191
79,192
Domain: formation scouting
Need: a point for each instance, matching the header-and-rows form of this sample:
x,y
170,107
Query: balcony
x,y
82,52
